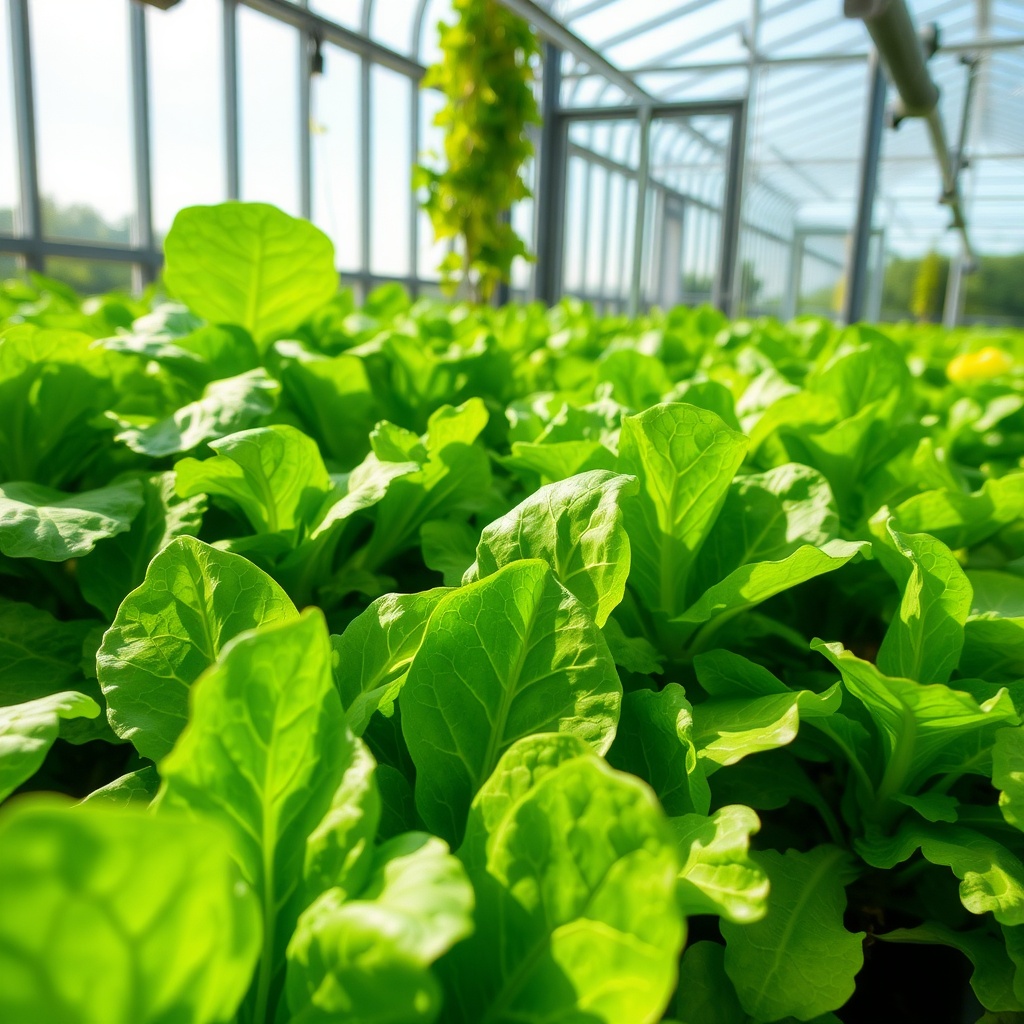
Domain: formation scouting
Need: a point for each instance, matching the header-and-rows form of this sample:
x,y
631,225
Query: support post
x,y
550,206
141,143
231,153
307,52
365,185
953,308
642,180
30,221
727,282
857,269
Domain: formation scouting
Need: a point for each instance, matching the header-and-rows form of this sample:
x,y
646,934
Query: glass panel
x,y
83,118
90,277
345,12
10,266
268,79
8,150
822,274
432,154
391,23
186,110
390,171
335,127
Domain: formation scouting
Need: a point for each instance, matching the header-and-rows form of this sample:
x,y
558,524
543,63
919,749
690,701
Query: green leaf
x,y
748,710
449,547
274,474
367,958
923,730
654,741
27,731
557,460
511,655
718,875
249,264
925,638
684,459
118,565
1008,774
705,993
194,599
38,654
633,653
574,870
991,876
798,960
135,788
94,902
267,754
39,522
993,975
994,631
575,526
227,405
372,657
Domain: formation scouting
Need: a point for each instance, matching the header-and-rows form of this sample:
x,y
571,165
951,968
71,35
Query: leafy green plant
x,y
487,80
446,663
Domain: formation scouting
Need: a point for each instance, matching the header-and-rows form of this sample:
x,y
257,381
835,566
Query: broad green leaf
x,y
924,730
705,994
53,386
273,474
765,518
633,653
27,731
555,461
718,875
575,526
684,459
193,600
249,264
39,522
798,960
749,585
637,381
118,565
367,958
1008,774
372,657
332,398
39,655
926,636
509,656
589,930
449,547
748,710
960,519
994,631
94,902
993,975
991,876
138,787
267,754
654,741
226,406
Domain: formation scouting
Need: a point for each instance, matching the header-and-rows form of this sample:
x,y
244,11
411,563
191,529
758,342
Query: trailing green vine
x,y
487,79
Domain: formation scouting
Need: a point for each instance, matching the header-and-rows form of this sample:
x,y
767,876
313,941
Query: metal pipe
x,y
901,50
30,216
550,208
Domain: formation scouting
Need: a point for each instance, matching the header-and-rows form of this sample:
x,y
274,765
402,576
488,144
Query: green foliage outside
x,y
428,662
487,80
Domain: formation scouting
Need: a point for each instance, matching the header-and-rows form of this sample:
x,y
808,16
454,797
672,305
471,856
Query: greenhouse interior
x,y
511,511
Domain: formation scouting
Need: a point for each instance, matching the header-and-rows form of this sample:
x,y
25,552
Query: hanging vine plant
x,y
487,79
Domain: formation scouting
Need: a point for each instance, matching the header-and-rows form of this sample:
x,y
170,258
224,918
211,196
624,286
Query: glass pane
x,y
391,23
90,277
344,12
8,167
431,153
268,83
82,85
390,171
186,110
10,265
335,127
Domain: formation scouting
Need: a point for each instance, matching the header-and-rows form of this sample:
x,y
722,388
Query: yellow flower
x,y
984,364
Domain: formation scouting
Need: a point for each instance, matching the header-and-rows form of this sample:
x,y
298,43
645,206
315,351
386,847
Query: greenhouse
x,y
511,512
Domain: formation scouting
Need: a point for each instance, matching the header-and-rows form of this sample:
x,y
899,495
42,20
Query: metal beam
x,y
857,275
550,205
642,183
232,160
30,218
728,279
141,135
332,32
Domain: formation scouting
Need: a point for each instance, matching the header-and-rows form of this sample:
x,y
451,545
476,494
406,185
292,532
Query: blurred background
x,y
702,151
